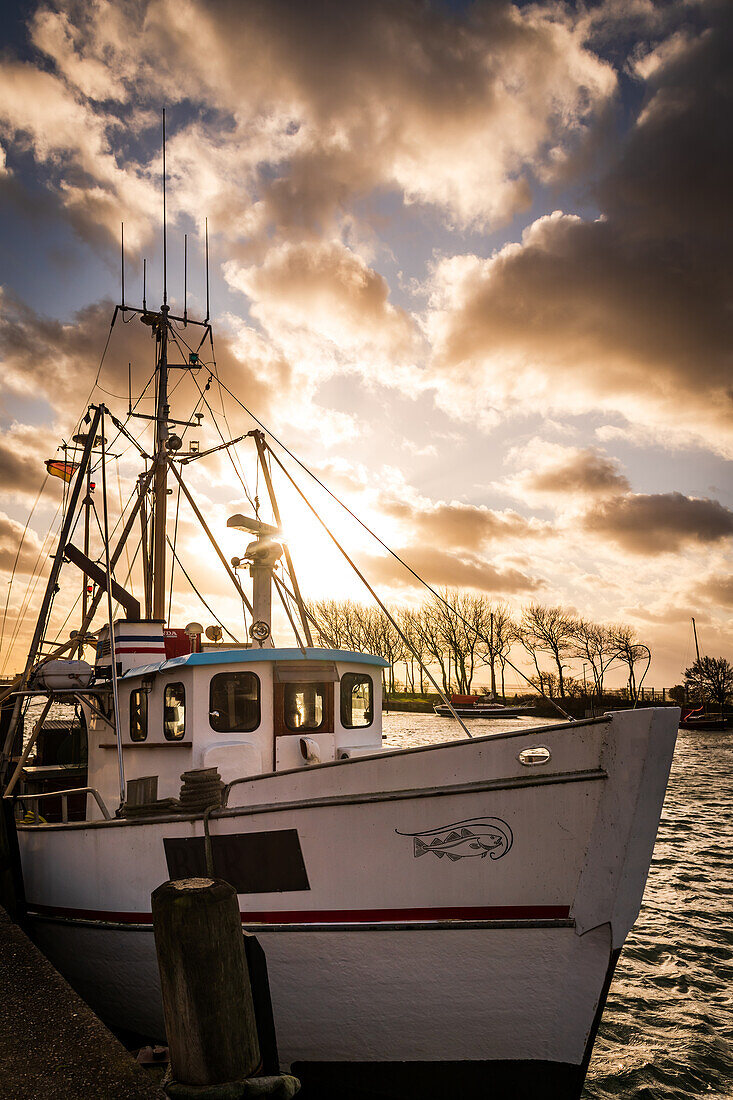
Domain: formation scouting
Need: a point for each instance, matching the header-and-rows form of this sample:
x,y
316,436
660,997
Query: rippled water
x,y
667,1032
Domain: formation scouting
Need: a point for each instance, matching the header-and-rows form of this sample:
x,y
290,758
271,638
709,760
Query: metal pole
x,y
112,646
27,750
48,595
85,579
145,544
259,439
161,470
65,531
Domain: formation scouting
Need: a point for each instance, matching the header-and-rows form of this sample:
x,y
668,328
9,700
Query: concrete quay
x,y
51,1043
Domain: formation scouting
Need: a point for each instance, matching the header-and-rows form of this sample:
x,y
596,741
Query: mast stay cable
x,y
203,601
17,558
381,542
374,595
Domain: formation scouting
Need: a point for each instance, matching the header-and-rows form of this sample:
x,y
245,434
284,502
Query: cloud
x,y
570,474
659,523
61,361
23,450
11,533
326,291
304,108
625,313
717,589
458,525
441,568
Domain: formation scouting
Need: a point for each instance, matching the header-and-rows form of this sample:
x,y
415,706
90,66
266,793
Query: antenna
x,y
122,256
185,274
145,270
129,388
206,224
165,233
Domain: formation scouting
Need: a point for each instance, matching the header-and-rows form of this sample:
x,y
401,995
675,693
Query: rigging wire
x,y
203,601
228,449
33,580
122,512
173,557
224,414
374,535
17,558
214,373
71,612
99,369
374,595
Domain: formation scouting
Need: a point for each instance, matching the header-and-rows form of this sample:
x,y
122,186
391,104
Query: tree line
x,y
459,633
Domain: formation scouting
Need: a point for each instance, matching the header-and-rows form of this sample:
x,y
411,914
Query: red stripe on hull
x,y
336,916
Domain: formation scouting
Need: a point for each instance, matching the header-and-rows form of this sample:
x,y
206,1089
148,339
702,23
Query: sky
x,y
469,261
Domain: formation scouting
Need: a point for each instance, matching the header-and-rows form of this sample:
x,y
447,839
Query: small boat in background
x,y
475,706
698,718
705,720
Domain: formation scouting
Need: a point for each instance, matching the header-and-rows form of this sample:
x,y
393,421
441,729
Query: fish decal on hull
x,y
478,836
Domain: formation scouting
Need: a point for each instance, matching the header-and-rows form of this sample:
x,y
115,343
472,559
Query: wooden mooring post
x,y
211,1016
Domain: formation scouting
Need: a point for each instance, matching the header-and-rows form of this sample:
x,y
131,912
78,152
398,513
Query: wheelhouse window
x,y
174,712
234,702
357,709
138,716
304,706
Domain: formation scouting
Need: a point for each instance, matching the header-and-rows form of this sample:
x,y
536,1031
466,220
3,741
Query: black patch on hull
x,y
254,863
500,1080
438,1080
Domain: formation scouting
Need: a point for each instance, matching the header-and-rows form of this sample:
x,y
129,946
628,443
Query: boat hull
x,y
400,1002
445,908
444,711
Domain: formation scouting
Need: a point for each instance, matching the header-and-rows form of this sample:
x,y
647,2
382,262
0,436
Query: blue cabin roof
x,y
249,656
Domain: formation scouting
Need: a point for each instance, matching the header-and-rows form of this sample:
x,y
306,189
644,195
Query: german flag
x,y
57,468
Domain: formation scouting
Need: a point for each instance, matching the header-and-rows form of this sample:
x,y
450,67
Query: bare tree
x,y
415,650
462,619
498,639
630,651
594,643
550,630
428,625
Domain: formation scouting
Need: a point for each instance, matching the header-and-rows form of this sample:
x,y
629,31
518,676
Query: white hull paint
x,y
397,994
393,952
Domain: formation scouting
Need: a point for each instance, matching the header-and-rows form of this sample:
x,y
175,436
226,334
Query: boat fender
x,y
309,750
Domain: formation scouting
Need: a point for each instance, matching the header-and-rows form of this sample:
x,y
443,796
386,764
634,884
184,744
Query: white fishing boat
x,y
433,918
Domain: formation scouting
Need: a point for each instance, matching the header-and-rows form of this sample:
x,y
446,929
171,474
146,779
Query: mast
x,y
84,577
160,459
697,647
160,454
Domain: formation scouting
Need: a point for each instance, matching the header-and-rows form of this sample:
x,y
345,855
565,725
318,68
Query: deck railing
x,y
64,796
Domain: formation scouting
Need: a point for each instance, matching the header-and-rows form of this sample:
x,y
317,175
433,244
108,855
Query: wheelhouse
x,y
243,712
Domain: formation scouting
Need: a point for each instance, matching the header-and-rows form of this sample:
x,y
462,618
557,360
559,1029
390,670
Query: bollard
x,y
207,999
